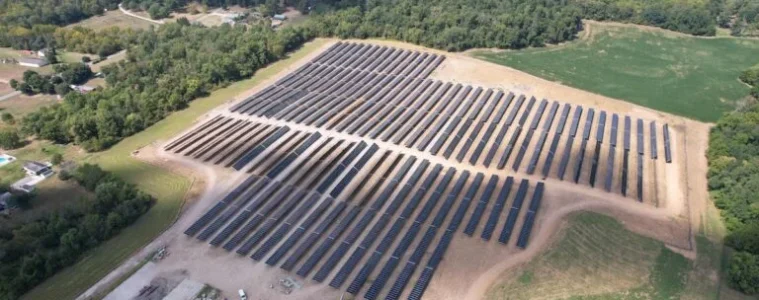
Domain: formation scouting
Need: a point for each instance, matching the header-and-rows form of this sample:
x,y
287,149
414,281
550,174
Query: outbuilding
x,y
33,62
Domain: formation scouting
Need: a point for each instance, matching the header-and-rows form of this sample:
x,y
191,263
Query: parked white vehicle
x,y
242,295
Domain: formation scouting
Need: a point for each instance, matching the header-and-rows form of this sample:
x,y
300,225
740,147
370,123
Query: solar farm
x,y
358,171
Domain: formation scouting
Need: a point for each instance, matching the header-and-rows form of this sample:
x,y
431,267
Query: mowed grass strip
x,y
168,188
688,76
595,257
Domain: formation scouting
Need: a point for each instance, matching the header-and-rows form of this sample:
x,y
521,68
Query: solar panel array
x,y
330,209
317,206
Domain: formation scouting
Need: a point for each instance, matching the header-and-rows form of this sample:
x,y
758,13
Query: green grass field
x,y
597,258
683,75
168,188
114,18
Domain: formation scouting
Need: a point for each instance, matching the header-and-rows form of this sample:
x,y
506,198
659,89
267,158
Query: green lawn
x,y
597,258
167,187
683,75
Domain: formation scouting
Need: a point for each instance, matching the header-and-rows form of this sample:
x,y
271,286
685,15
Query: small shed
x,y
41,52
33,62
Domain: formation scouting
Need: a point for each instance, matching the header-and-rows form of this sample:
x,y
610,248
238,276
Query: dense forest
x,y
29,24
734,184
36,250
165,70
455,24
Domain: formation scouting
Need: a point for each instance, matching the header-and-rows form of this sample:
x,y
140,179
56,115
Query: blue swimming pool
x,y
3,159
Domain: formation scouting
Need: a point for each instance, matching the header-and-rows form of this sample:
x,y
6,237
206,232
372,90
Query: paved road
x,y
129,13
9,95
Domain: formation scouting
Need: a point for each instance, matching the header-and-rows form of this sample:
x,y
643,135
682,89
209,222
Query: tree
x,y
8,118
9,139
56,159
86,59
51,55
743,274
14,84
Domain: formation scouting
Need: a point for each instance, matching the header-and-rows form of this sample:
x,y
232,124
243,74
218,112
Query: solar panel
x,y
220,206
654,150
495,213
667,147
511,219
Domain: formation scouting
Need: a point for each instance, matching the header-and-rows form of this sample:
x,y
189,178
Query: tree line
x,y
163,71
36,250
734,185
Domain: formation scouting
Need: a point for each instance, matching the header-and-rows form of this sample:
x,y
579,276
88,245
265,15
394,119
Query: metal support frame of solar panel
x,y
405,243
597,151
345,222
497,209
667,147
516,206
529,220
437,255
530,132
654,148
421,248
366,219
449,95
570,140
612,152
386,241
326,223
555,142
460,97
454,122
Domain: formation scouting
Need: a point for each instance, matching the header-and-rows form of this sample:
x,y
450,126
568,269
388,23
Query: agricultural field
x,y
169,188
688,76
21,105
114,18
587,260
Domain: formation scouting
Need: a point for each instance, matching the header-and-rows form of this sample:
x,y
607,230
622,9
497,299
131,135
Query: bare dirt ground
x,y
471,265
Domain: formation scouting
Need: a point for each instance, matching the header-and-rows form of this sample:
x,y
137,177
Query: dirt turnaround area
x,y
471,265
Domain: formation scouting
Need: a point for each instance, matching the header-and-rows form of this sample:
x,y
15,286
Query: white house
x,y
41,52
33,62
